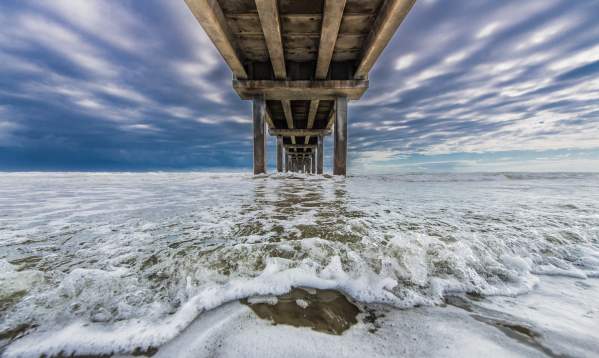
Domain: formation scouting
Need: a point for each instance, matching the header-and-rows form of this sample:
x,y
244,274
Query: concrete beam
x,y
259,113
288,115
300,146
312,116
390,17
298,132
291,151
340,137
301,90
271,27
331,120
213,21
331,21
268,119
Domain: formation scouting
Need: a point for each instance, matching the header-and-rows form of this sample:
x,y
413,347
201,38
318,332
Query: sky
x,y
468,85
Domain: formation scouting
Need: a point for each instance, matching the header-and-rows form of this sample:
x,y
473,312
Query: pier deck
x,y
300,62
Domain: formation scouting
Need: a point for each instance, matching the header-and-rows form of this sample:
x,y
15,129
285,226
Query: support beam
x,y
320,155
312,116
268,119
313,162
259,112
286,162
390,17
331,120
271,27
300,146
299,132
288,115
340,137
300,90
213,21
280,151
331,21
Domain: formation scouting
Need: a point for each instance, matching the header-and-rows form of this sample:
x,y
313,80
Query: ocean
x,y
503,264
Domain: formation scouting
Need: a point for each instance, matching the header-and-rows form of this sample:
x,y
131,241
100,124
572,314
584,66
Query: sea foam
x,y
114,262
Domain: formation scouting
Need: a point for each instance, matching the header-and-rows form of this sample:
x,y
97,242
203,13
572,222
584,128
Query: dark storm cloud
x,y
137,85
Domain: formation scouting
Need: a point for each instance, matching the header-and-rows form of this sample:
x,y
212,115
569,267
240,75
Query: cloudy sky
x,y
465,85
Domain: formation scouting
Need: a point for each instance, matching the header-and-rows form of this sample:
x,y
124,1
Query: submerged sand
x,y
558,319
326,311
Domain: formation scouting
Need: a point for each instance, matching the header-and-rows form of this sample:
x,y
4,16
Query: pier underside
x,y
300,62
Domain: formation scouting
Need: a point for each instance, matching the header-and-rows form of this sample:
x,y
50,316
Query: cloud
x,y
513,88
487,30
405,61
106,20
7,128
128,84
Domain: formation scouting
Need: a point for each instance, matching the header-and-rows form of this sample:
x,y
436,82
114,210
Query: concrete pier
x,y
280,154
340,137
259,111
320,155
286,162
300,62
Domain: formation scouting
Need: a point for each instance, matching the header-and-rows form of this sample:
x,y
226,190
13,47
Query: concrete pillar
x,y
286,162
280,154
313,160
259,113
340,137
320,155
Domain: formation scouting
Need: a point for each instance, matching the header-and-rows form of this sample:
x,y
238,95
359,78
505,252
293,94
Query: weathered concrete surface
x,y
300,90
300,57
340,137
320,155
259,110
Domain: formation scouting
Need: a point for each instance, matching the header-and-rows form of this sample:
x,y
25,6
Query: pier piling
x,y
259,112
340,137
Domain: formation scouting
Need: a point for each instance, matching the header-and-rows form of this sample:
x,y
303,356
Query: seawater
x,y
117,261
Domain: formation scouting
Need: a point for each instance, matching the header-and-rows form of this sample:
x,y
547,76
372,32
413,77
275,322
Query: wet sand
x,y
540,324
326,311
558,319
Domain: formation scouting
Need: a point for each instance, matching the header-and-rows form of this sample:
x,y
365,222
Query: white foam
x,y
270,300
129,260
302,303
16,282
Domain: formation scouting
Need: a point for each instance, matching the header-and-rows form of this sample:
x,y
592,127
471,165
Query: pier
x,y
300,62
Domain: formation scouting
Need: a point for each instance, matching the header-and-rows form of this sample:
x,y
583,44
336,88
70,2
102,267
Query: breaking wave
x,y
96,263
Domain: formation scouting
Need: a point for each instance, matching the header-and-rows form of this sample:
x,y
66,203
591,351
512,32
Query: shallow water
x,y
112,262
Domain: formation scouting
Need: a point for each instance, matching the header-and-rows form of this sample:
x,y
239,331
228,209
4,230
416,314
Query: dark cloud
x,y
113,85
